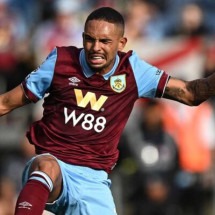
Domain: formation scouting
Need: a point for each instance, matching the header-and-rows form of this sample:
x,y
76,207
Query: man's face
x,y
101,41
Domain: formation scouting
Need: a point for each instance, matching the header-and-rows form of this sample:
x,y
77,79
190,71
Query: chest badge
x,y
118,83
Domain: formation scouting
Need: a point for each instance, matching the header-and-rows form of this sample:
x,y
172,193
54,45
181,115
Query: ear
x,y
83,36
122,43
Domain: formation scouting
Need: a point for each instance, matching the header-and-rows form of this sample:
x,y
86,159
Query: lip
x,y
95,59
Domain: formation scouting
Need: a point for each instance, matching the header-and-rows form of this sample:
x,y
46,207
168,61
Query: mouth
x,y
95,59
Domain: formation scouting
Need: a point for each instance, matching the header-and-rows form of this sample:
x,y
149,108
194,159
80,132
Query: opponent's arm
x,y
191,93
12,99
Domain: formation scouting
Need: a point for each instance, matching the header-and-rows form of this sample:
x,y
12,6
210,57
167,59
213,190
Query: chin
x,y
96,67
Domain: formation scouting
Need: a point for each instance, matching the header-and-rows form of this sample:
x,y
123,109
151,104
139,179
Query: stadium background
x,y
178,178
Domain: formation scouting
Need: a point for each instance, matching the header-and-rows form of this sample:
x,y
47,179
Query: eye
x,y
105,41
88,38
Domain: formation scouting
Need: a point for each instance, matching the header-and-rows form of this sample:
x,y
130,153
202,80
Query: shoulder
x,y
124,58
67,49
125,54
132,57
68,52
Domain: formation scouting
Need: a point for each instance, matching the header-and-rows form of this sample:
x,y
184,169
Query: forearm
x,y
4,109
12,100
191,93
201,89
5,105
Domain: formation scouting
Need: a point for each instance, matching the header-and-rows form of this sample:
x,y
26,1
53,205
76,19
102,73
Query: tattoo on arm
x,y
176,92
191,92
201,89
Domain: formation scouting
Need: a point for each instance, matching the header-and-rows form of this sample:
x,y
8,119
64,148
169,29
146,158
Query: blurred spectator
x,y
13,46
155,154
143,21
193,129
7,196
30,11
104,3
15,64
13,160
209,63
64,29
161,4
191,22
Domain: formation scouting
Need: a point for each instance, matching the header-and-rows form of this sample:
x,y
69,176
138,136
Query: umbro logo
x,y
74,81
158,72
25,205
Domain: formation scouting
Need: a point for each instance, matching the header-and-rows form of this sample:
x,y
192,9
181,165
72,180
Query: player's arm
x,y
191,93
12,100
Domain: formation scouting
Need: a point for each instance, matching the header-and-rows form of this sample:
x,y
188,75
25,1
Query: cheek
x,y
112,53
110,58
86,45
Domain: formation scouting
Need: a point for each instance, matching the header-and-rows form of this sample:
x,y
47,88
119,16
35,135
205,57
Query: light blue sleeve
x,y
39,80
147,76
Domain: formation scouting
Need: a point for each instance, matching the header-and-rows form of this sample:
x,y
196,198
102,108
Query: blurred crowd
x,y
167,159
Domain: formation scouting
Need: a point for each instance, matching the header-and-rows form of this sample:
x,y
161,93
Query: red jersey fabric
x,y
84,117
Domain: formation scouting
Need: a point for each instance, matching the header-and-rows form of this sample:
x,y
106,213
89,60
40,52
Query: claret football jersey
x,y
84,112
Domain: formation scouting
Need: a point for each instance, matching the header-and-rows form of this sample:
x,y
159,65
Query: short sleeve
x,y
37,83
150,80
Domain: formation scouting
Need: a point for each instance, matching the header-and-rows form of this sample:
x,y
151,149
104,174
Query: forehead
x,y
101,28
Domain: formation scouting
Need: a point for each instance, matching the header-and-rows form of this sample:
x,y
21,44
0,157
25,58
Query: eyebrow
x,y
92,38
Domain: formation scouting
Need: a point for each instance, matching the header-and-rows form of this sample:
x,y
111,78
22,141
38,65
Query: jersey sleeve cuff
x,y
162,85
29,95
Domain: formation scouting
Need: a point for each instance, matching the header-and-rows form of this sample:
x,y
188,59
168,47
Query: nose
x,y
96,45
